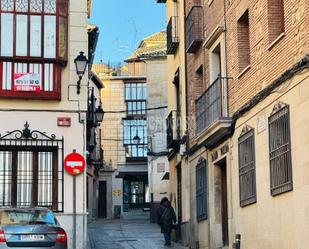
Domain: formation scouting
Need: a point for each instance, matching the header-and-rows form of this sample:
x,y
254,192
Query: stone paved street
x,y
132,232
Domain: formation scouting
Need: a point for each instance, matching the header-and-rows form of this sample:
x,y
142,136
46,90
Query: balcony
x,y
212,119
161,1
194,29
173,129
172,32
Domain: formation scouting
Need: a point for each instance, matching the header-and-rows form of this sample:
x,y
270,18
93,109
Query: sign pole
x,y
74,211
74,164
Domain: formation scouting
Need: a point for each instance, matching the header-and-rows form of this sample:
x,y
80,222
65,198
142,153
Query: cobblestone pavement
x,y
132,232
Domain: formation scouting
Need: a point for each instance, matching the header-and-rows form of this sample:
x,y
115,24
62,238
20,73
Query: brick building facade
x,y
246,92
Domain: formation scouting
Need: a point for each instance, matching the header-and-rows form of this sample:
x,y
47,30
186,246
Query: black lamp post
x,y
81,65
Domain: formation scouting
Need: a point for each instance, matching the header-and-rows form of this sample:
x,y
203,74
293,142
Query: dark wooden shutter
x,y
280,150
201,190
247,176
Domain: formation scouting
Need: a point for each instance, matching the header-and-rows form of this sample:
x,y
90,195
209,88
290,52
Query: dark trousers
x,y
167,237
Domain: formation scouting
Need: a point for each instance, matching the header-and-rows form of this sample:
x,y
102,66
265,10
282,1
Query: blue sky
x,y
123,24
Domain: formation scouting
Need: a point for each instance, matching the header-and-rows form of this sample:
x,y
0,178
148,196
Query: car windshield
x,y
25,217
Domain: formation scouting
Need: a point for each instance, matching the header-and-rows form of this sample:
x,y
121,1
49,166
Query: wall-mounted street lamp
x,y
136,140
81,65
99,113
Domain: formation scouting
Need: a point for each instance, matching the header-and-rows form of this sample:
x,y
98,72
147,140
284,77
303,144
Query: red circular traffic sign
x,y
74,164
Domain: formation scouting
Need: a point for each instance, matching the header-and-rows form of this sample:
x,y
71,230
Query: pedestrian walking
x,y
166,218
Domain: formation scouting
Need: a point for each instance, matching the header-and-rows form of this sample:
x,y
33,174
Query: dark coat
x,y
166,217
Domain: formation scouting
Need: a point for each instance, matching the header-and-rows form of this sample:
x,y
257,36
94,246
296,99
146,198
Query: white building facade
x,y
42,117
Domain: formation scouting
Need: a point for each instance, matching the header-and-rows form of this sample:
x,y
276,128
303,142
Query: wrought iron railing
x,y
212,105
172,33
194,29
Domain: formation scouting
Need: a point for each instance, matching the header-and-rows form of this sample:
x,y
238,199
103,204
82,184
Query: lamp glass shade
x,y
99,114
81,64
136,139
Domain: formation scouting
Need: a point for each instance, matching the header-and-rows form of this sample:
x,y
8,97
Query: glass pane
x,y
134,151
133,91
5,178
50,37
36,6
22,5
21,35
143,107
50,6
63,37
7,34
7,76
7,5
35,36
139,91
45,178
139,107
128,92
24,178
127,135
145,91
49,77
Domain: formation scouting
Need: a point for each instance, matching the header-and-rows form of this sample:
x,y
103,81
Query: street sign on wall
x,y
74,164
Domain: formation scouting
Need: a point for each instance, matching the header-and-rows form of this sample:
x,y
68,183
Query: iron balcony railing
x,y
172,33
212,105
194,29
172,129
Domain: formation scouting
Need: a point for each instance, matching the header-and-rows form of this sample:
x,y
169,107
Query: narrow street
x,y
132,232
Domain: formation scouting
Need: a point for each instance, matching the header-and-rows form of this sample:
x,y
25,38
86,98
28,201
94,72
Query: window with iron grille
x,y
33,47
201,190
31,170
247,176
281,179
136,98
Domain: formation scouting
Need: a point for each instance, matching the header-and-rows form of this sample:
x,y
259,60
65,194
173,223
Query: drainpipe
x,y
187,126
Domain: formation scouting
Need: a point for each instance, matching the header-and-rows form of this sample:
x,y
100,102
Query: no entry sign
x,y
74,163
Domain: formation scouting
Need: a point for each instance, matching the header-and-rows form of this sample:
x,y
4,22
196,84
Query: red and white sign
x,y
27,82
74,164
64,122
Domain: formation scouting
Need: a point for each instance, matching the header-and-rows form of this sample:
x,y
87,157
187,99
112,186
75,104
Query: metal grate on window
x,y
31,170
246,158
281,179
201,190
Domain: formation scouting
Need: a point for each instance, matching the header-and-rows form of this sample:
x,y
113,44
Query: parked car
x,y
31,228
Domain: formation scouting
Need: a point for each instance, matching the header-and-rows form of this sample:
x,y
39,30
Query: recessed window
x,y
33,47
246,157
243,35
280,150
201,190
275,19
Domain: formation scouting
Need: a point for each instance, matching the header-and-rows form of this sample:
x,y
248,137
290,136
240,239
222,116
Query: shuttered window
x,y
33,47
280,150
201,190
247,176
